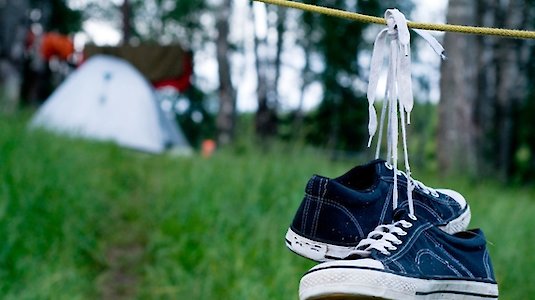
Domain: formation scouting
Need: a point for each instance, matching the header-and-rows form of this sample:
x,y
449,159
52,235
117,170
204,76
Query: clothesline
x,y
510,33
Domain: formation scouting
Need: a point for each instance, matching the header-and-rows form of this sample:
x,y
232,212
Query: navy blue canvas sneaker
x,y
408,259
336,214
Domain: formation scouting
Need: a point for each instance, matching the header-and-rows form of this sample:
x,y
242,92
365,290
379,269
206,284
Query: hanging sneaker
x,y
408,259
336,214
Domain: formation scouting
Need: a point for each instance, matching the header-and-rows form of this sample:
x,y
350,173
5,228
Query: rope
x,y
510,33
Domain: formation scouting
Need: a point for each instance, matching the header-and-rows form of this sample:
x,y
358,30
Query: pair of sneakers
x,y
371,247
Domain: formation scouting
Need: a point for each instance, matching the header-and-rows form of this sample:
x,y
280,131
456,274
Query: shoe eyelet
x,y
435,194
413,217
409,225
388,166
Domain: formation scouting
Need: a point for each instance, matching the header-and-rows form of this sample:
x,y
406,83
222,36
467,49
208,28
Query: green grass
x,y
83,220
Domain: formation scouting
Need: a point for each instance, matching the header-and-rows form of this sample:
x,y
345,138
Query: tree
x,y
456,142
268,70
13,31
226,117
21,60
126,11
484,82
58,16
338,44
524,134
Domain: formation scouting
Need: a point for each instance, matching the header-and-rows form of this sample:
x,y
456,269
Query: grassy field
x,y
82,220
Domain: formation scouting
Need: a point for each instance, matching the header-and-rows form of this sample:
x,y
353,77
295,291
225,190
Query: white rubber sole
x,y
459,224
323,252
355,283
314,250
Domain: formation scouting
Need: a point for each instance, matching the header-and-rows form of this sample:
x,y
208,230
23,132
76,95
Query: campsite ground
x,y
83,220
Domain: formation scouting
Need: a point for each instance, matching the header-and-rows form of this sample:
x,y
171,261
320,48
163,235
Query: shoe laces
x,y
415,183
423,187
384,238
398,93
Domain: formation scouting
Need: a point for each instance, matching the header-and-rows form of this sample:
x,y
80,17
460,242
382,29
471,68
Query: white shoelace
x,y
398,93
384,238
415,183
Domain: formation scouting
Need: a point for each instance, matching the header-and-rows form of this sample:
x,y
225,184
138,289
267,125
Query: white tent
x,y
108,99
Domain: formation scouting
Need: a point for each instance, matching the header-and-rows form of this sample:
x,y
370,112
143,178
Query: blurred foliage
x,y
338,122
75,212
524,156
524,163
168,21
63,19
197,122
335,45
164,21
56,15
337,42
185,13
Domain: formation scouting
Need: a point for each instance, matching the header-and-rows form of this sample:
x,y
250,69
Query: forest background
x,y
85,220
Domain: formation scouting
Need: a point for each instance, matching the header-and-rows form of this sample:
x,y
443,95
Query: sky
x,y
244,75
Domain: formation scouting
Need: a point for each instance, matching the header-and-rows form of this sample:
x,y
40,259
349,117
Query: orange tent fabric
x,y
56,45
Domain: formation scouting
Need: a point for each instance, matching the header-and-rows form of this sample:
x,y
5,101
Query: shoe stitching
x,y
344,210
446,200
423,252
314,224
486,261
428,209
318,208
459,264
306,208
386,205
409,242
400,266
305,213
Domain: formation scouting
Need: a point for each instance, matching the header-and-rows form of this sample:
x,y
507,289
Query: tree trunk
x,y
262,112
306,78
13,30
485,105
281,28
483,83
511,87
267,86
226,116
456,131
126,11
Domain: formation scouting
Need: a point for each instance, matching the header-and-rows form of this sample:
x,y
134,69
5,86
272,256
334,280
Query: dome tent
x,y
106,98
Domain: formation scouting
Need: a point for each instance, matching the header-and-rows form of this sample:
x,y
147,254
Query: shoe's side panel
x,y
322,219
